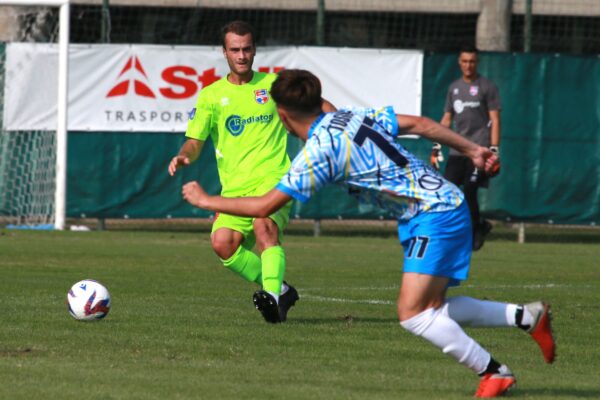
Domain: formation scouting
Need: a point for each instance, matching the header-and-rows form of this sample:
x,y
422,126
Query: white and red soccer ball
x,y
88,300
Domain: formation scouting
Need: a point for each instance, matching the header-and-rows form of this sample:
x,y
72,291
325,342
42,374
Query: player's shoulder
x,y
211,90
483,81
456,83
264,78
218,84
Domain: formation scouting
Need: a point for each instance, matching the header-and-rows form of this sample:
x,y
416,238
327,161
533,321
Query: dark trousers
x,y
461,171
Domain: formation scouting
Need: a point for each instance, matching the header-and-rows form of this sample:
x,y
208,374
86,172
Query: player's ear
x,y
284,117
282,113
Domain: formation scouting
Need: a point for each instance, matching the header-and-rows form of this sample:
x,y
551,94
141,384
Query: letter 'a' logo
x,y
139,87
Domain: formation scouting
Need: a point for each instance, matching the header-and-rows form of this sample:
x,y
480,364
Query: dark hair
x,y
298,91
468,48
239,28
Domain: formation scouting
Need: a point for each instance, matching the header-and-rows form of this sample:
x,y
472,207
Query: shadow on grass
x,y
550,235
568,393
537,233
348,320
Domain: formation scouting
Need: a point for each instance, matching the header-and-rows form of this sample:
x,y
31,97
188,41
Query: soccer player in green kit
x,y
250,146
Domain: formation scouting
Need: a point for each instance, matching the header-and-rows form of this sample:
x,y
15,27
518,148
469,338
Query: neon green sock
x,y
246,264
273,268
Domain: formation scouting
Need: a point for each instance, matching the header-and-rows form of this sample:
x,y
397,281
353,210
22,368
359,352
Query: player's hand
x,y
494,168
178,162
193,193
436,156
483,158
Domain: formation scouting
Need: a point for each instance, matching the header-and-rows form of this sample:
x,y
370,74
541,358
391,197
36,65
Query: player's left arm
x,y
495,129
492,100
258,207
482,157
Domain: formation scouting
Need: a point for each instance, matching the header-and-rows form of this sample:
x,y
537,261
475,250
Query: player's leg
x,y
228,235
276,297
437,249
271,254
471,184
534,318
459,170
468,311
455,170
420,314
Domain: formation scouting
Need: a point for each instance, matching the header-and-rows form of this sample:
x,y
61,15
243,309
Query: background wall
x,y
550,115
550,151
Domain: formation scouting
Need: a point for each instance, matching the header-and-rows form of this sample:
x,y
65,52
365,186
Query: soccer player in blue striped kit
x,y
357,147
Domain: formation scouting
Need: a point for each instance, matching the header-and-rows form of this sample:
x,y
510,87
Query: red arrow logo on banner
x,y
139,87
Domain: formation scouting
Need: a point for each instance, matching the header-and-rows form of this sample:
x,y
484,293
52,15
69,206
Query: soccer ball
x,y
88,300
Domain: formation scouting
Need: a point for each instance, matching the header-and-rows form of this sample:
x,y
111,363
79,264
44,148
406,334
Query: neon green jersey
x,y
250,140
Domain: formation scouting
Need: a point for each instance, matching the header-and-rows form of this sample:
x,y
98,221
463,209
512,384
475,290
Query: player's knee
x,y
224,248
266,233
418,323
407,310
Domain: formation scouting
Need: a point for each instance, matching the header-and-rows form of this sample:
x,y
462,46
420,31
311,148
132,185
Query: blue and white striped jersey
x,y
356,147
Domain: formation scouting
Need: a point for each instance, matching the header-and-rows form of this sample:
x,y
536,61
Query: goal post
x,y
29,202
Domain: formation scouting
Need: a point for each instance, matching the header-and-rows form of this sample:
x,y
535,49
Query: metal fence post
x,y
527,27
320,33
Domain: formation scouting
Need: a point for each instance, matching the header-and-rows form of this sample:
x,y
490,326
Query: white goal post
x,y
59,206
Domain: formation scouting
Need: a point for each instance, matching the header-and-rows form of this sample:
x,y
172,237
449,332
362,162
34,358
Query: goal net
x,y
32,162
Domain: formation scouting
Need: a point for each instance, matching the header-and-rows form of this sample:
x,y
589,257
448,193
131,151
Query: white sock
x,y
284,288
275,296
468,311
527,319
444,333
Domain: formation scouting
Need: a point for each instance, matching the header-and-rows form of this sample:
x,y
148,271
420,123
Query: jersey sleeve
x,y
201,118
310,171
493,97
386,118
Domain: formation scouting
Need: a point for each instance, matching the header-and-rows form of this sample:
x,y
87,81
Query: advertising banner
x,y
148,88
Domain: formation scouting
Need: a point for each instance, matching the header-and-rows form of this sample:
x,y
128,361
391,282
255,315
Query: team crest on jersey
x,y
455,91
473,90
261,96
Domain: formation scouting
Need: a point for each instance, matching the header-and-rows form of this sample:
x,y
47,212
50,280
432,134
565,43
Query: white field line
x,y
305,293
339,300
503,286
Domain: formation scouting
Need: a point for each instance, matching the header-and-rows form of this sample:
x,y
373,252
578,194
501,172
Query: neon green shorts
x,y
244,225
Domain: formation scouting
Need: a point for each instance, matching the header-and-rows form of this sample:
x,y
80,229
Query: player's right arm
x,y
258,207
189,152
482,157
446,119
201,122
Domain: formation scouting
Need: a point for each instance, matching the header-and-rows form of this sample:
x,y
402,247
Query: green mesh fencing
x,y
550,134
550,152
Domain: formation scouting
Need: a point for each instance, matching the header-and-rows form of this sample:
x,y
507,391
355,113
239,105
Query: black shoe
x,y
486,227
287,301
483,229
266,304
478,239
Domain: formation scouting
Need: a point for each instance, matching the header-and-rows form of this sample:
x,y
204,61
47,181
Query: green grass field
x,y
182,327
